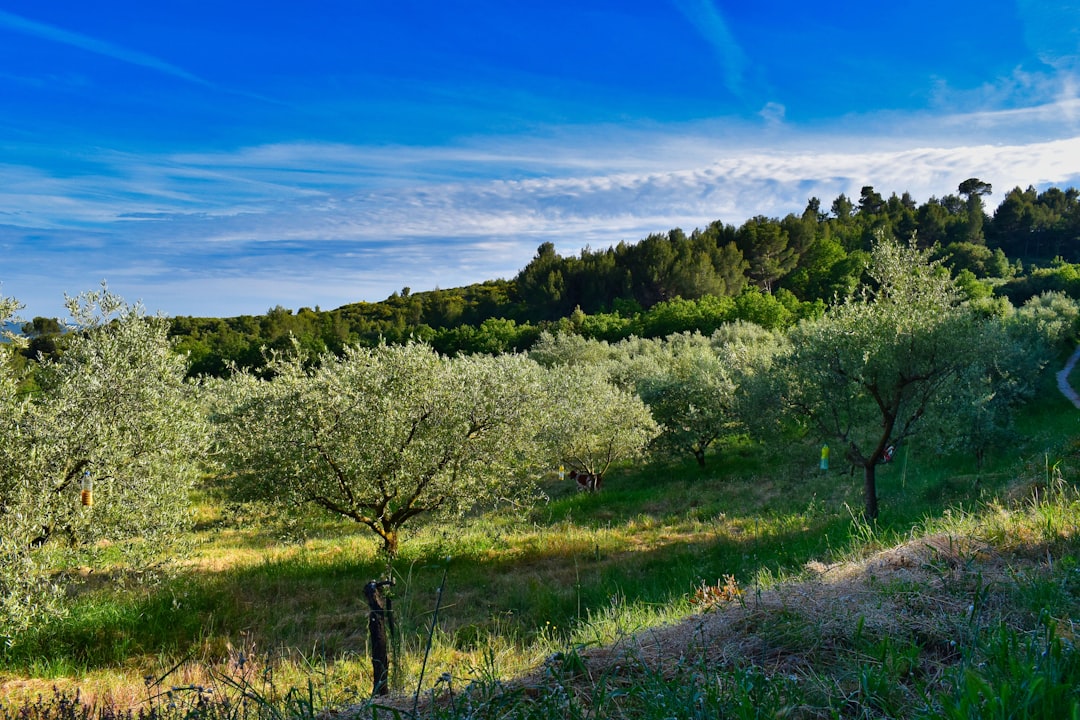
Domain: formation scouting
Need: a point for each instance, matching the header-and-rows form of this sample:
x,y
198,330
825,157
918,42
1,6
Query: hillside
x,y
770,271
722,567
942,625
962,597
970,617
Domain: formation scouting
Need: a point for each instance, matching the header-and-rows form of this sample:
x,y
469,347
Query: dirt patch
x,y
919,592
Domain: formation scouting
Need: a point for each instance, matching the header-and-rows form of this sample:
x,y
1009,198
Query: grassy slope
x,y
814,596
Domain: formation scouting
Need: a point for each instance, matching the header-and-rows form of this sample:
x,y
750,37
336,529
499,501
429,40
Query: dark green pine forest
x,y
770,271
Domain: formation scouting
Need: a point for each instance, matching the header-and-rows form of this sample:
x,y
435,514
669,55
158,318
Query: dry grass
x,y
912,590
933,593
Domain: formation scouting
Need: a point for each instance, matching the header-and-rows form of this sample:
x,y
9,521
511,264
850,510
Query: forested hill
x,y
771,271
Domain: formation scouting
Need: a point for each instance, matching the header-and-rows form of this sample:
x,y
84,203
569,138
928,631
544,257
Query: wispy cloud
x,y
712,26
52,33
281,193
327,224
1049,31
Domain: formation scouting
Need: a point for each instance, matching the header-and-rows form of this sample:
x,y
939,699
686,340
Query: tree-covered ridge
x,y
102,437
396,435
770,271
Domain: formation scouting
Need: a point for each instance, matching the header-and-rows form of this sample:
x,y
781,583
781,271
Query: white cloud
x,y
283,193
731,188
323,224
773,113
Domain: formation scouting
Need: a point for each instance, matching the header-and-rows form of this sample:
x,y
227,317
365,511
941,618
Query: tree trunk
x,y
870,490
389,539
377,620
699,454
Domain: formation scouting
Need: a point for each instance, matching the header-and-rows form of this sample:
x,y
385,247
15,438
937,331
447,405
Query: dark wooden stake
x,y
377,622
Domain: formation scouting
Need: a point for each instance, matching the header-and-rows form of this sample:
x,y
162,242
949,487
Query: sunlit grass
x,y
578,571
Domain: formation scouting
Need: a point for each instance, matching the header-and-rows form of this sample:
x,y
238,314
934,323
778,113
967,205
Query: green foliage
x,y
1016,675
674,282
876,368
679,315
620,568
8,308
764,309
973,289
397,433
113,409
610,327
44,337
494,336
977,413
593,423
1037,226
691,383
767,247
1053,317
386,434
552,350
980,260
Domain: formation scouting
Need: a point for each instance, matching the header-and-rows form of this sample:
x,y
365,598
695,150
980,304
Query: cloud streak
x,y
52,33
183,233
712,26
284,191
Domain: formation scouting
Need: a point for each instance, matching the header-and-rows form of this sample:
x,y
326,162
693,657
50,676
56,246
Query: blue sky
x,y
222,158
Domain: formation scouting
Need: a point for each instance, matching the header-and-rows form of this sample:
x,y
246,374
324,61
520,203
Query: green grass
x,y
583,571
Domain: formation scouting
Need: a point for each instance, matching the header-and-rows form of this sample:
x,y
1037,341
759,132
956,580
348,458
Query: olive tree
x,y
984,398
593,422
690,393
386,436
694,385
1053,316
878,366
24,596
598,416
1014,348
114,409
567,348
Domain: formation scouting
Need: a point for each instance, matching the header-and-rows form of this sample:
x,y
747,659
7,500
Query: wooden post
x,y
377,622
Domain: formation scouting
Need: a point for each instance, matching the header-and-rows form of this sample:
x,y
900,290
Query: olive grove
x,y
387,434
695,386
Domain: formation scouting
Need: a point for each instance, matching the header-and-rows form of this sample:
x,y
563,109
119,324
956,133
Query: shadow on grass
x,y
652,537
304,605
